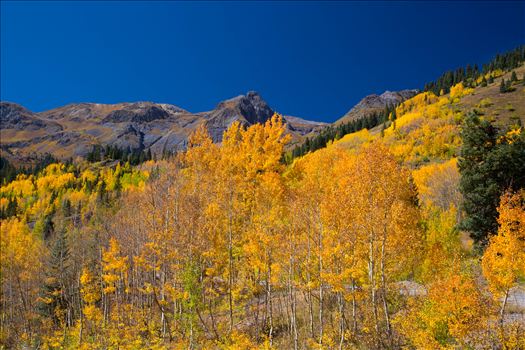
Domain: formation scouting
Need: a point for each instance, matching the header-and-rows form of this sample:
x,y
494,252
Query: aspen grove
x,y
225,246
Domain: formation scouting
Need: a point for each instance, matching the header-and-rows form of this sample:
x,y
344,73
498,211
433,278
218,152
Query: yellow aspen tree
x,y
20,262
385,215
451,314
503,262
231,208
263,190
115,270
311,188
340,243
91,315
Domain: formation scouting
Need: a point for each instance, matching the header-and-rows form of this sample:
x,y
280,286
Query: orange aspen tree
x,y
385,216
20,263
503,262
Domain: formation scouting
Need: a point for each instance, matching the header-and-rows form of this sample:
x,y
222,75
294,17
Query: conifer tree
x,y
489,164
502,86
55,294
483,82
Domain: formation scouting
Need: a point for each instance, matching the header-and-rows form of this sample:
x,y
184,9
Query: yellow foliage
x,y
90,291
458,91
354,140
426,129
21,187
3,203
451,313
114,265
20,250
416,102
239,341
504,259
225,238
437,184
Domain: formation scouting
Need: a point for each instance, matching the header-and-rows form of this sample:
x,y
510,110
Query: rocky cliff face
x,y
16,117
247,109
72,130
376,103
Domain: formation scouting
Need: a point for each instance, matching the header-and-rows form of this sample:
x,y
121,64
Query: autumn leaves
x,y
226,247
227,237
361,234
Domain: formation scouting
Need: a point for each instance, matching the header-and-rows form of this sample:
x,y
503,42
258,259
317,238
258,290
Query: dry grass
x,y
501,107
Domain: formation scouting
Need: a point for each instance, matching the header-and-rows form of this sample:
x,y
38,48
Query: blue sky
x,y
309,59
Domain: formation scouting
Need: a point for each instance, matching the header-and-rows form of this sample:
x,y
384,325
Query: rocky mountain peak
x,y
395,96
12,112
17,117
375,103
137,113
247,109
251,108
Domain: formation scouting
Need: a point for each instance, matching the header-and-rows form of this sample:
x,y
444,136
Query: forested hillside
x,y
409,234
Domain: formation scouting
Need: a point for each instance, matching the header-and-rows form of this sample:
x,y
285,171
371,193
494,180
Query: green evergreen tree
x,y
508,86
10,209
66,209
54,295
476,185
502,86
487,168
483,82
102,194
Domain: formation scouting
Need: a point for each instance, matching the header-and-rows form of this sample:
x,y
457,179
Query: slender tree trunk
x,y
291,291
503,306
270,303
384,291
270,306
257,312
81,314
371,278
320,257
213,325
294,318
190,343
230,273
354,308
340,300
309,291
502,319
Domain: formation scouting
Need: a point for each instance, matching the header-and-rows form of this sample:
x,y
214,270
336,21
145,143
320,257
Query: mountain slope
x,y
427,128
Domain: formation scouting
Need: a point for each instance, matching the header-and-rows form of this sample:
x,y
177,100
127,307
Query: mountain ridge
x,y
72,130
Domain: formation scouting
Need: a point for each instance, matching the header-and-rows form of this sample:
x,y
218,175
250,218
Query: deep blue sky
x,y
309,59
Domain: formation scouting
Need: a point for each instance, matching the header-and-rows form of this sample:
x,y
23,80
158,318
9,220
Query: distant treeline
x,y
8,171
133,156
469,74
331,133
98,153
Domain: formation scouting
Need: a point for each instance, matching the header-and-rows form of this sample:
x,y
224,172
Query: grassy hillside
x,y
427,127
